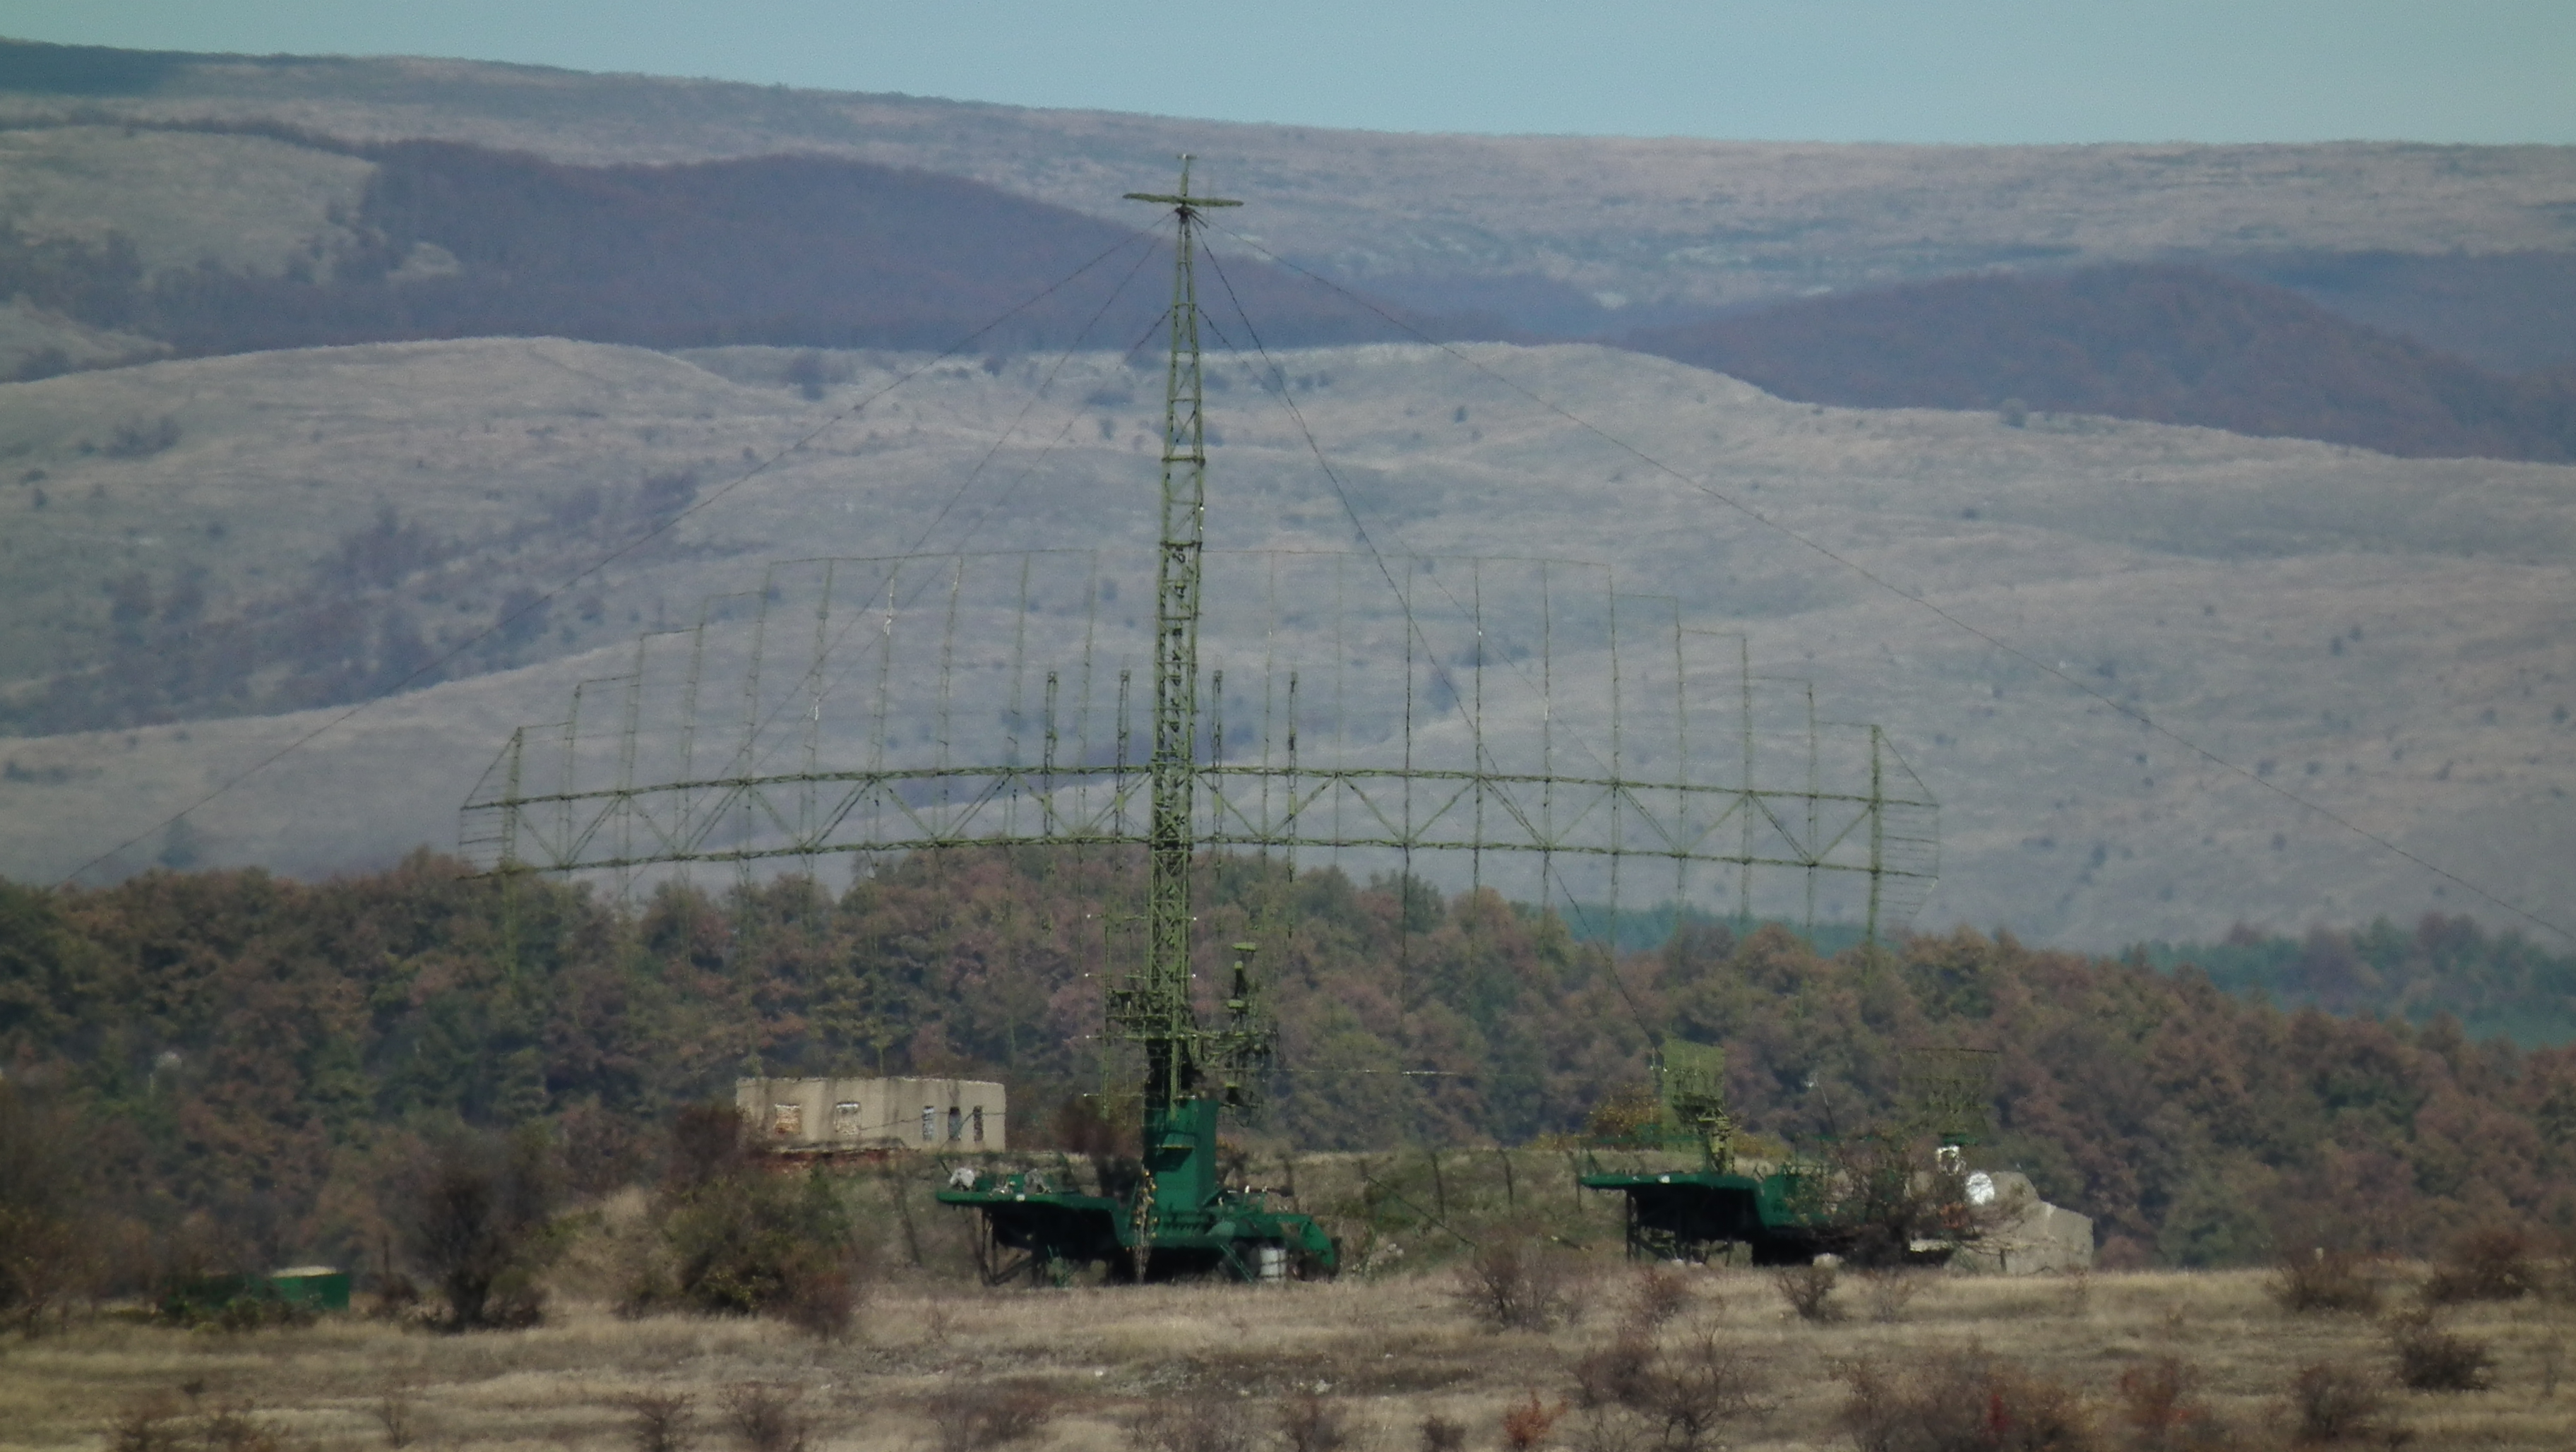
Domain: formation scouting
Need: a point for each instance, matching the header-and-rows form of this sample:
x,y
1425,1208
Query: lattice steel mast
x,y
1153,1006
1360,797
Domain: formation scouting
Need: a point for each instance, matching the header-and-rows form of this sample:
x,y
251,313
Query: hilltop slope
x,y
438,240
2167,344
1560,235
2384,635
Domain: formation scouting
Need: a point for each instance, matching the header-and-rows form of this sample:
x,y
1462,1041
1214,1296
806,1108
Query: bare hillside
x,y
1572,234
2386,637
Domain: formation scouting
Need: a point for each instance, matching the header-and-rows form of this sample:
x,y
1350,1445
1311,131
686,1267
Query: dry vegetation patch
x,y
1681,1358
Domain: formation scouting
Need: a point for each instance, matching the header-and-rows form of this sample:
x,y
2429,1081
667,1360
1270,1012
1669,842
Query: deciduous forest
x,y
2168,344
237,1053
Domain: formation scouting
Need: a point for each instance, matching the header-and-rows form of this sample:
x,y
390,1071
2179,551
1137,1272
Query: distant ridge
x,y
1556,236
459,241
2164,344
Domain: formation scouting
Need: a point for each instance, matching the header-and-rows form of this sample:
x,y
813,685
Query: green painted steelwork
x,y
320,1287
1688,1214
751,804
1152,1007
1488,811
1180,1218
256,1300
1806,1207
1681,1214
1032,1227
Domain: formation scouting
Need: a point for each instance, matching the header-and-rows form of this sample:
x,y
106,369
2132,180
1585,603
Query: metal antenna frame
x,y
1557,814
1153,1007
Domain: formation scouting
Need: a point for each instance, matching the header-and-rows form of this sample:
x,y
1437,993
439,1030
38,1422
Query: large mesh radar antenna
x,y
1691,1081
1950,1092
1522,724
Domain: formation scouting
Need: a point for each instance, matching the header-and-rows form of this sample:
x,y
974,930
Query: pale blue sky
x,y
1840,70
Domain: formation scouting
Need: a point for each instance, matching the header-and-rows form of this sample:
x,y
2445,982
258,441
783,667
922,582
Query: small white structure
x,y
856,1114
2022,1234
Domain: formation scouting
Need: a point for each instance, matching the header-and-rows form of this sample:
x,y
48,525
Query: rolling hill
x,y
207,556
1555,236
2386,636
2507,312
2167,344
440,240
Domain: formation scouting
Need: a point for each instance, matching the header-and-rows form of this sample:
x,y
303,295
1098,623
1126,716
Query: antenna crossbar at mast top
x,y
948,780
1153,1006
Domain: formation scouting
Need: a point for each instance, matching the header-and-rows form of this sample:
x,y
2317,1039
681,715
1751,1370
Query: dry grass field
x,y
1630,1358
1379,1356
236,201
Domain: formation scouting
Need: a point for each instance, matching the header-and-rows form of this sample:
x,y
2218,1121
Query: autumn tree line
x,y
240,1058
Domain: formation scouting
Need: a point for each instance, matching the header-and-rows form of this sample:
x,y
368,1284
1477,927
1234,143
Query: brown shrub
x,y
1887,1195
824,1297
1514,1283
236,1426
743,1242
1526,1424
1309,1423
659,1422
764,1417
1676,1396
1809,1290
2323,1280
397,1298
49,1240
708,1142
399,1415
2488,1263
1885,1292
1615,1374
1439,1434
149,1425
229,1303
158,1424
980,1418
2432,1359
1659,1293
2331,1403
1203,1425
474,1213
1962,1402
1606,1429
2160,1411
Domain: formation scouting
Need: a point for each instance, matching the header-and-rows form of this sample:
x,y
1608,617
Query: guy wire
x,y
1003,439
1350,508
1872,577
547,598
1276,377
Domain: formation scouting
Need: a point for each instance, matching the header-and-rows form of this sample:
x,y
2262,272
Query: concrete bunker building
x,y
821,1116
